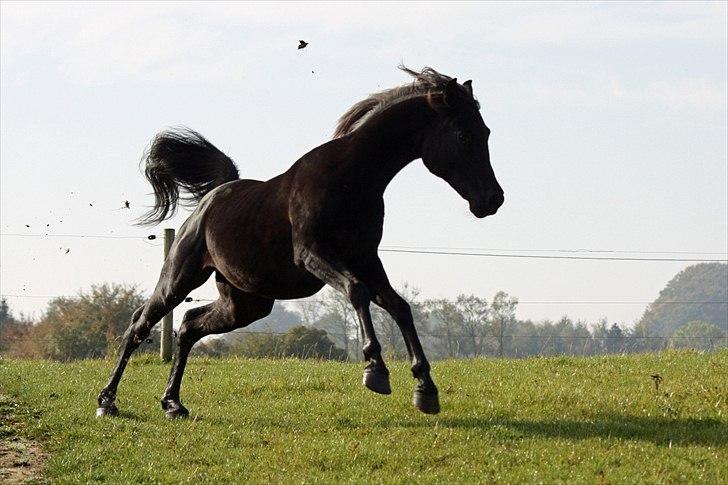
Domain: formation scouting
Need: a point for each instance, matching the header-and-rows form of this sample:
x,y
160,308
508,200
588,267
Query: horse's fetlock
x,y
106,398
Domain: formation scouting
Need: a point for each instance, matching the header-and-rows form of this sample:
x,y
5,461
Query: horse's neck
x,y
391,139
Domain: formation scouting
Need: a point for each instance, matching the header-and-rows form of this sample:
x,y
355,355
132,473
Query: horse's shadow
x,y
659,430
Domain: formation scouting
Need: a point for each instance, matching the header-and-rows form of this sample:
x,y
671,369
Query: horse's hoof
x,y
174,410
107,410
178,413
377,381
426,402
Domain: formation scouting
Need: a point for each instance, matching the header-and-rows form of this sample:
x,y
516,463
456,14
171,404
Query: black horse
x,y
318,223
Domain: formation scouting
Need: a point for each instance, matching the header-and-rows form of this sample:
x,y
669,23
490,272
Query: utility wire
x,y
615,251
541,256
90,236
524,302
453,251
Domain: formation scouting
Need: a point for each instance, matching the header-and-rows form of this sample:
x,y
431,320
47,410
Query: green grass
x,y
593,420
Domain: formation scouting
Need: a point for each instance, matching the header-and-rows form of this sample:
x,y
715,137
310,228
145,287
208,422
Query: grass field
x,y
593,420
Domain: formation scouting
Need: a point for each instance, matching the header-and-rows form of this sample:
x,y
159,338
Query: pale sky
x,y
609,127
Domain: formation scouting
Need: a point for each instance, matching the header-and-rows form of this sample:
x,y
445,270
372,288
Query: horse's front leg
x,y
425,396
334,272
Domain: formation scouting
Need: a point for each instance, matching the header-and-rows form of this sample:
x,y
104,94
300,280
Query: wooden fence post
x,y
166,343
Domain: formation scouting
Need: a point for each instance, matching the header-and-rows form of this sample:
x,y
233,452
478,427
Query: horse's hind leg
x,y
182,272
234,309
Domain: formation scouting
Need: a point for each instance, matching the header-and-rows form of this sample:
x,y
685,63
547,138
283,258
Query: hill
x,y
705,282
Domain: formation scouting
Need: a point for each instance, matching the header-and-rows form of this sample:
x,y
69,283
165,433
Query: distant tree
x,y
310,311
524,340
615,339
705,282
339,320
473,323
258,345
502,317
6,315
445,322
14,332
211,347
564,337
280,320
310,343
698,335
582,339
86,326
301,342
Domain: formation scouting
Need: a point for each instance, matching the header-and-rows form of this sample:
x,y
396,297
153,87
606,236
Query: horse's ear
x,y
455,94
451,92
452,95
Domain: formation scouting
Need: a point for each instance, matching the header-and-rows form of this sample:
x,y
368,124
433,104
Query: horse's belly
x,y
275,281
264,269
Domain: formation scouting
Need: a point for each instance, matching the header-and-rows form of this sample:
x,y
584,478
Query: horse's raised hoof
x,y
174,409
377,381
107,410
427,402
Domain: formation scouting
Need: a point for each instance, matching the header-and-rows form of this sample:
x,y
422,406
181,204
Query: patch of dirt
x,y
21,460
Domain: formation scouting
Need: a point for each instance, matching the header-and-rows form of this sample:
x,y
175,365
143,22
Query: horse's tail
x,y
182,158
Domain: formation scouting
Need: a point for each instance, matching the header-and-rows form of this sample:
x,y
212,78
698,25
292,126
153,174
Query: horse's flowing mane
x,y
427,80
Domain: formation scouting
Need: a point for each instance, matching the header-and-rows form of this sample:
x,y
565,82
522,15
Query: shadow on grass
x,y
661,431
128,415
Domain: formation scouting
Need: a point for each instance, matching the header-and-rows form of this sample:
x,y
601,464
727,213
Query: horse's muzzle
x,y
488,206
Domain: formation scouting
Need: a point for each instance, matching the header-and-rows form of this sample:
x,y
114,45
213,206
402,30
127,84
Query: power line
x,y
533,302
524,302
90,236
615,251
542,256
454,251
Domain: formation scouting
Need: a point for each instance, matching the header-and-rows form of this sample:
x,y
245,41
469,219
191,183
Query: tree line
x,y
91,324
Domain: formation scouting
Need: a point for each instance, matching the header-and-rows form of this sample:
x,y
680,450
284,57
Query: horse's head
x,y
456,148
